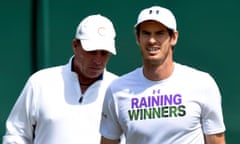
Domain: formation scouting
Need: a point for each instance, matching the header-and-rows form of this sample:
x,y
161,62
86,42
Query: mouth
x,y
96,68
95,71
153,50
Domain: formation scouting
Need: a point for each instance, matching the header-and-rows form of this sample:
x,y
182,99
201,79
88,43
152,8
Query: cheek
x,y
142,45
105,60
142,40
81,60
165,47
100,60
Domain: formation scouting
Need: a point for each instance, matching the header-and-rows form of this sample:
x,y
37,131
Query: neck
x,y
83,80
157,72
85,84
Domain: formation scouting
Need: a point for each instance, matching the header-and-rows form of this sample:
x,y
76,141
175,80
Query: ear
x,y
74,44
137,39
137,42
174,38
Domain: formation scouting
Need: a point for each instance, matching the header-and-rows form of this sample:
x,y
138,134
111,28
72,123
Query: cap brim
x,y
93,45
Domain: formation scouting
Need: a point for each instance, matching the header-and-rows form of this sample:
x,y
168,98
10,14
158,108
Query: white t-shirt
x,y
177,110
49,107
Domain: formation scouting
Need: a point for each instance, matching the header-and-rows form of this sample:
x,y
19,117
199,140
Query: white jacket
x,y
48,110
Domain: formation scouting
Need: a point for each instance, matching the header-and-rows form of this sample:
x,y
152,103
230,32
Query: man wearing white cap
x,y
62,105
162,102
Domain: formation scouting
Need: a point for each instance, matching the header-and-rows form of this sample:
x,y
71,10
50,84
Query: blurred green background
x,y
36,34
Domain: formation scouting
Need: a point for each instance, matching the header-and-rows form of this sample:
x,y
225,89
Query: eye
x,y
145,33
103,53
92,52
99,52
161,32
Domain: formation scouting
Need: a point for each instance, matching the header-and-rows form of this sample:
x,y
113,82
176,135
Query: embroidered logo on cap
x,y
102,31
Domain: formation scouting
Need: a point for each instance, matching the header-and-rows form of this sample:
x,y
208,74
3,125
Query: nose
x,y
152,40
97,58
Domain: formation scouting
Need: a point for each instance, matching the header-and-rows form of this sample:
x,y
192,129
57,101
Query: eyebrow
x,y
159,31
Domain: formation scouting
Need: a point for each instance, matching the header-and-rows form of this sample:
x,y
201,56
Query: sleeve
x,y
20,123
212,115
109,126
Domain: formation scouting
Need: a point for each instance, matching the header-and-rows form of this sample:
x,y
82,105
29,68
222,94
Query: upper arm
x,y
215,138
19,124
108,141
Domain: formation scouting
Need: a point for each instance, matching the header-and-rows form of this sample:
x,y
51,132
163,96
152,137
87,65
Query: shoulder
x,y
194,75
109,75
191,71
128,79
53,72
47,74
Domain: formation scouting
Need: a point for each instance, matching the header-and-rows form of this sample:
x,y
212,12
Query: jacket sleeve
x,y
21,122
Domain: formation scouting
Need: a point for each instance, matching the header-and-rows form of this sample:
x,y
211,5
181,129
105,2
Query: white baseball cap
x,y
96,32
159,14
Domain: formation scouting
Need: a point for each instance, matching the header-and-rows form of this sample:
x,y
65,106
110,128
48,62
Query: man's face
x,y
89,64
155,42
